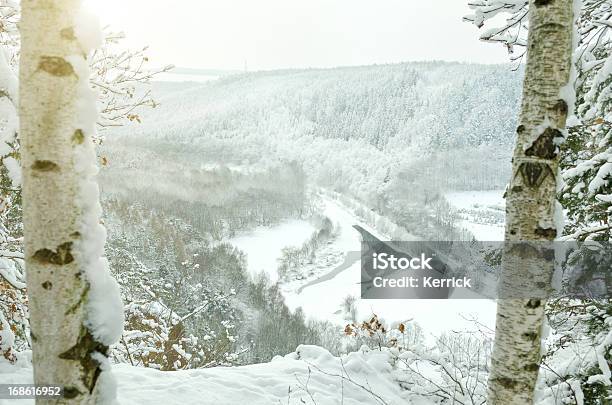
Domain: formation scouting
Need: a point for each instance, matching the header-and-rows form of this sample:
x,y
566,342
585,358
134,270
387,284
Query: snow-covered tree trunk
x,y
75,313
531,203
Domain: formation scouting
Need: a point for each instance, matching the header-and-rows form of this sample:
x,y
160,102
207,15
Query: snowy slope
x,y
310,375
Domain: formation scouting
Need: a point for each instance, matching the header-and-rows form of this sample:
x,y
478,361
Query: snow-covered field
x,y
263,245
482,213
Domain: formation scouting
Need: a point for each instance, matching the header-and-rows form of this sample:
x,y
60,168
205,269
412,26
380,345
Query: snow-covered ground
x,y
310,375
482,212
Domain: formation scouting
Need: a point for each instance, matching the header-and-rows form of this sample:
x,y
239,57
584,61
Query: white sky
x,y
271,34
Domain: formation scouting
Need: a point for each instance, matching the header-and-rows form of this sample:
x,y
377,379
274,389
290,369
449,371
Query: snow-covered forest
x,y
196,235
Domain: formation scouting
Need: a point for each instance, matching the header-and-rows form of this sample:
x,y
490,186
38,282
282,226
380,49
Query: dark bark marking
x,y
506,382
561,108
520,129
45,166
530,336
77,304
55,66
63,255
548,253
534,173
47,285
533,304
532,367
531,173
548,233
550,27
82,352
523,250
78,137
71,392
68,34
540,3
544,147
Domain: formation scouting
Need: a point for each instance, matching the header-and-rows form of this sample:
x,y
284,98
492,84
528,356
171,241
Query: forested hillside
x,y
388,118
395,137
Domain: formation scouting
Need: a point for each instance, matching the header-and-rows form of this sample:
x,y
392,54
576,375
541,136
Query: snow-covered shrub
x,y
455,369
14,326
158,338
349,306
151,340
375,335
578,354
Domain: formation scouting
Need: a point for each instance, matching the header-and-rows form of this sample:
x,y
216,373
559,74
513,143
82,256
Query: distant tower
x,y
246,68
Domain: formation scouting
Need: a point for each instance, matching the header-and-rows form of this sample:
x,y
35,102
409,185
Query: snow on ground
x,y
482,212
263,245
475,199
310,375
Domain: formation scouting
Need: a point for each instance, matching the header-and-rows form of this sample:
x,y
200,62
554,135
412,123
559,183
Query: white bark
x,y
531,204
57,280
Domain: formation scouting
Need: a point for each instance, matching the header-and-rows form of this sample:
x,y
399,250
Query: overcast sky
x,y
271,34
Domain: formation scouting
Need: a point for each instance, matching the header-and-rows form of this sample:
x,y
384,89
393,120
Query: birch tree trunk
x,y
531,204
52,70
